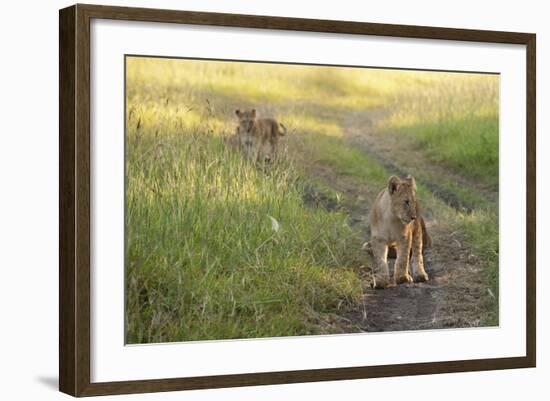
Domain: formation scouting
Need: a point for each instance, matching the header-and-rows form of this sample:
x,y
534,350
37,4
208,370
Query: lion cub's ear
x,y
393,184
253,113
238,112
411,181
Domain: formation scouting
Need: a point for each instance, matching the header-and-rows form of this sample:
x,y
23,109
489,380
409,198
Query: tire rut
x,y
359,131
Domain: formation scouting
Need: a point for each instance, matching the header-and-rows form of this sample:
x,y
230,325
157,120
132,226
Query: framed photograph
x,y
250,200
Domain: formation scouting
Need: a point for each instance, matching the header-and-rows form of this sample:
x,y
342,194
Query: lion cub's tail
x,y
282,130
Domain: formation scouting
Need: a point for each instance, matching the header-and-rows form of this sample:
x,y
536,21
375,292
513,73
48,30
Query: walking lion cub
x,y
395,221
258,137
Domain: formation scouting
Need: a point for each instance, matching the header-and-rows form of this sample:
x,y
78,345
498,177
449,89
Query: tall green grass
x,y
218,247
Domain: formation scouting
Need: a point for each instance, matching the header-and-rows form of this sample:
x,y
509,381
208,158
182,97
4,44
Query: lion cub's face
x,y
247,118
403,198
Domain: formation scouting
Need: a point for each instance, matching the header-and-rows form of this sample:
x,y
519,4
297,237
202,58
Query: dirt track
x,y
456,294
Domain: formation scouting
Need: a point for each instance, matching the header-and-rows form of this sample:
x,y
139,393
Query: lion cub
x,y
395,220
259,137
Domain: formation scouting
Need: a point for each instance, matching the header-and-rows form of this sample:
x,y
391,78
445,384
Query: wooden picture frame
x,y
74,199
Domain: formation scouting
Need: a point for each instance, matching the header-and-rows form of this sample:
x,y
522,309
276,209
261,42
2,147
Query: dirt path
x,y
456,294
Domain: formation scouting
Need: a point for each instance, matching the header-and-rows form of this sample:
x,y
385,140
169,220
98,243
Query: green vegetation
x,y
452,120
218,247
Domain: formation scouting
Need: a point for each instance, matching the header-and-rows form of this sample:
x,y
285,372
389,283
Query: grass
x,y
219,248
453,120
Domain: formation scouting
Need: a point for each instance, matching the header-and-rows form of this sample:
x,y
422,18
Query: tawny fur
x,y
259,137
395,221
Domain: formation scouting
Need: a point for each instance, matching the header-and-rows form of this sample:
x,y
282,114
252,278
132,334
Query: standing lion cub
x,y
395,221
259,137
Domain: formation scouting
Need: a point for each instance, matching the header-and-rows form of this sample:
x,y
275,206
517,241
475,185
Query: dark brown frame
x,y
74,199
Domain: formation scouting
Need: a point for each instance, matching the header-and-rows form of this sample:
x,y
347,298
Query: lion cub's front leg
x,y
382,271
402,267
417,258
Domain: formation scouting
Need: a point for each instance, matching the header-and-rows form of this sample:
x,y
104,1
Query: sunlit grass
x,y
337,88
305,122
454,121
204,260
